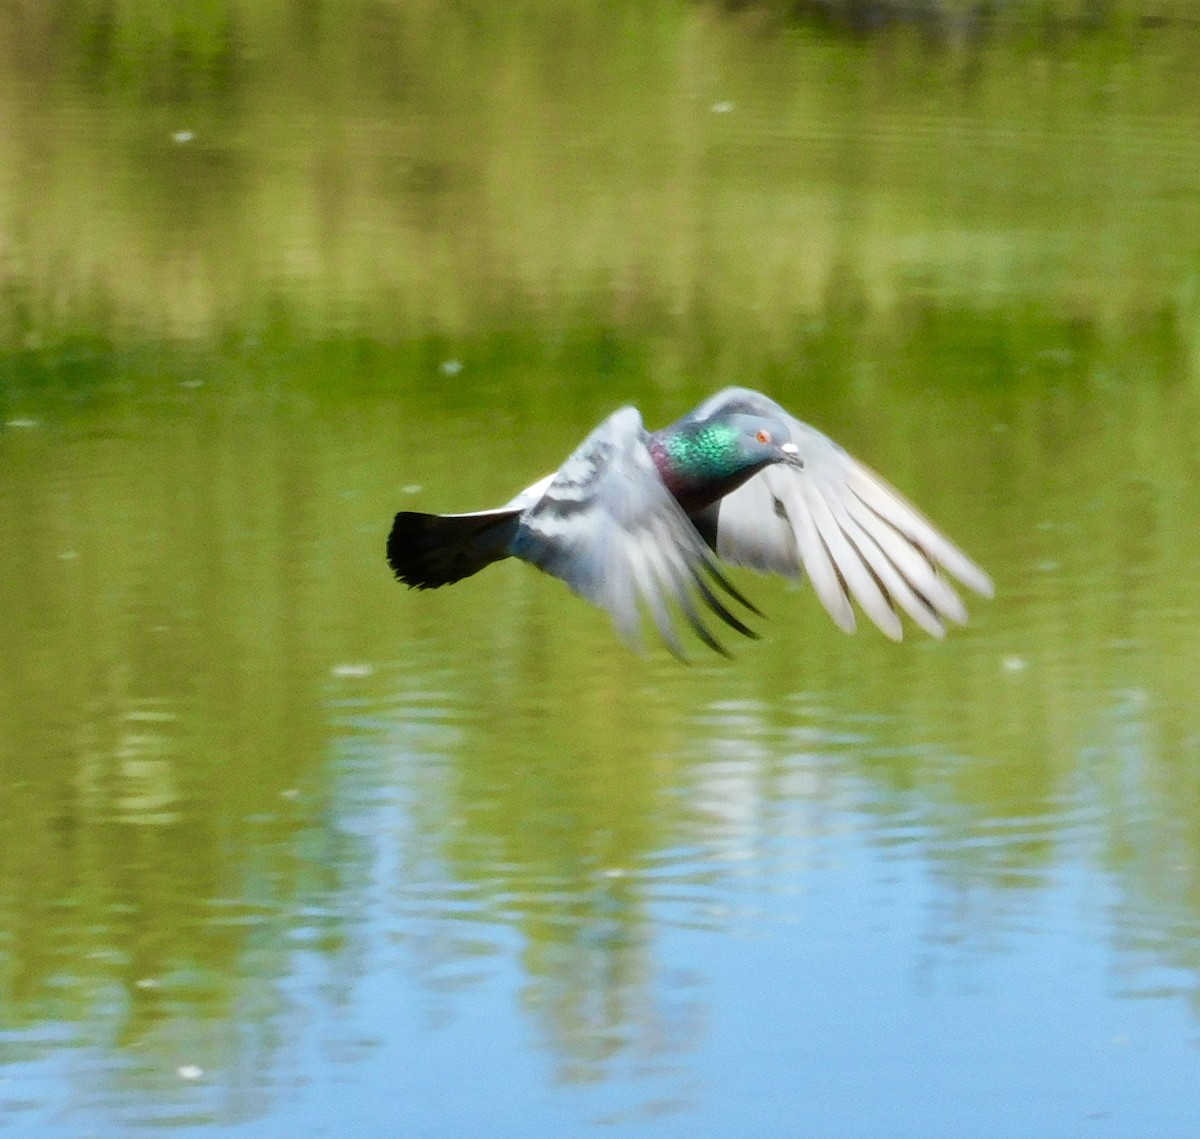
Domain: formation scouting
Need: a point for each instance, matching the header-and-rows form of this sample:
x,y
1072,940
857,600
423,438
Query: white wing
x,y
607,526
844,526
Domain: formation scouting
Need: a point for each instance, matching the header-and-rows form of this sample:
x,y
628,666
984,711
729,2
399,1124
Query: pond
x,y
288,849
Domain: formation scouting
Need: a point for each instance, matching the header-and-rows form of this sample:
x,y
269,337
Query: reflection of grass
x,y
397,171
227,553
965,21
162,830
977,273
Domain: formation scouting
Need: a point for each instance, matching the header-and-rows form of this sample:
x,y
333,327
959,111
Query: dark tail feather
x,y
428,550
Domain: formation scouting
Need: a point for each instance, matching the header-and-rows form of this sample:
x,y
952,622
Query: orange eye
x,y
762,436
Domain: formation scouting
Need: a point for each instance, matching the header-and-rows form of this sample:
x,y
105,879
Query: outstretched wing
x,y
837,521
607,526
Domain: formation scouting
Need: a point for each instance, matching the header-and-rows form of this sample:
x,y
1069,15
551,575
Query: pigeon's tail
x,y
428,550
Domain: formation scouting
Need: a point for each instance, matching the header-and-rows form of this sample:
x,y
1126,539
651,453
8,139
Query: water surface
x,y
288,850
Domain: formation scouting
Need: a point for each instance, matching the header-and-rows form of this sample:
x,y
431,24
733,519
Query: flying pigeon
x,y
637,520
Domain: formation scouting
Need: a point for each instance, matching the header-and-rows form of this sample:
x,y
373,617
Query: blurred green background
x,y
271,271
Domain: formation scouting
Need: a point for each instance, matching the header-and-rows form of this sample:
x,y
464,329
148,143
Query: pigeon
x,y
641,522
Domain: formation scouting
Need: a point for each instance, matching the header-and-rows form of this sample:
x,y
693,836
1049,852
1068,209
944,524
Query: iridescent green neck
x,y
705,450
700,462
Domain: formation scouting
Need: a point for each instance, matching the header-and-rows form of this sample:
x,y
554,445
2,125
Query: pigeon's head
x,y
702,460
758,441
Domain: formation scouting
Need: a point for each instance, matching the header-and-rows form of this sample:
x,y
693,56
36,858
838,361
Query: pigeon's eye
x,y
762,435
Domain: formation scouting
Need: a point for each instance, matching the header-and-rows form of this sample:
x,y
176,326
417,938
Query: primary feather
x,y
632,521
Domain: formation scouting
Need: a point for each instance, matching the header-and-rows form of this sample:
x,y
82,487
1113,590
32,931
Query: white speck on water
x,y
191,384
1014,664
352,670
412,488
1048,566
189,1071
289,793
68,555
148,983
22,421
451,367
722,108
181,137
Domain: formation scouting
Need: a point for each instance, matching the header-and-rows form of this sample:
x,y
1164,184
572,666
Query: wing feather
x,y
856,575
917,572
920,592
834,519
607,526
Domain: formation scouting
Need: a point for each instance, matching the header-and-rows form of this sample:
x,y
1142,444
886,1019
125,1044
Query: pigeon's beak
x,y
791,454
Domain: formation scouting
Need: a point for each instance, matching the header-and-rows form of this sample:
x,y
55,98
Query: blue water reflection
x,y
793,962
795,958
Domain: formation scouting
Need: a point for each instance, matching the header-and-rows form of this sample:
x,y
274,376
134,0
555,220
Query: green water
x,y
286,849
